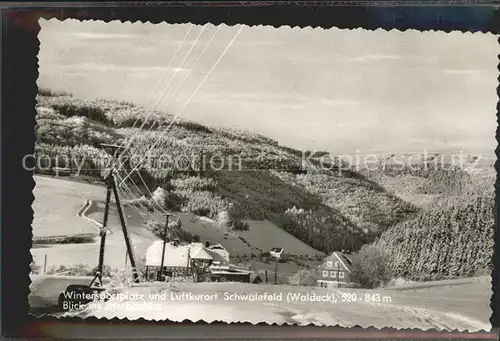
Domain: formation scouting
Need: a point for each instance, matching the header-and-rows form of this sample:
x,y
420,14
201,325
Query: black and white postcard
x,y
261,174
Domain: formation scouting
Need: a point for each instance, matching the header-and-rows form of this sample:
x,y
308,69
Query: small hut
x,y
180,260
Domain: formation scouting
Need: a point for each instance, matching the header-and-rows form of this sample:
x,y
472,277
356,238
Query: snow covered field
x,y
432,308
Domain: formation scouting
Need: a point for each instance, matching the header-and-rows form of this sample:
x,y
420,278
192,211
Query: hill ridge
x,y
270,181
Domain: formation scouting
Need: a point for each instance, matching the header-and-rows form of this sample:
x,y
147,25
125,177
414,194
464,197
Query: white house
x,y
334,271
276,252
220,250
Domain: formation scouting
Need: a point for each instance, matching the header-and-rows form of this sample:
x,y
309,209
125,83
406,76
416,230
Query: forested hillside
x,y
424,184
452,236
255,177
451,239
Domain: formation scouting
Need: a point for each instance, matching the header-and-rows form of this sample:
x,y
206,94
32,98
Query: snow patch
x,y
207,220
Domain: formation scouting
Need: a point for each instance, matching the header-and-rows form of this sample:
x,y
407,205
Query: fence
x,y
303,277
64,239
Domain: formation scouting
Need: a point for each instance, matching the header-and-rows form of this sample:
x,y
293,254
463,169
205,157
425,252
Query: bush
x,y
240,225
77,240
304,277
265,256
167,199
49,93
369,267
204,203
141,267
194,183
193,126
175,230
35,269
76,270
106,271
121,279
91,112
64,240
159,196
174,202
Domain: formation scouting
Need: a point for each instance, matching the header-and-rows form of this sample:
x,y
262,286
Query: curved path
x,y
87,253
82,213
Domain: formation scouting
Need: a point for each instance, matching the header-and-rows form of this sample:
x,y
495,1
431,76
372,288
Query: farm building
x,y
185,260
220,250
228,274
178,259
334,271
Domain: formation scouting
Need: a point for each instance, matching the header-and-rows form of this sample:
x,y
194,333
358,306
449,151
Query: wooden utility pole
x,y
276,271
189,267
160,274
125,232
103,230
111,187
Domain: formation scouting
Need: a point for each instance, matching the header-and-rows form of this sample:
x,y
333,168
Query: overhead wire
x,y
190,71
182,64
186,77
154,202
133,195
142,210
156,88
164,92
145,186
193,94
161,209
181,86
130,202
169,66
135,167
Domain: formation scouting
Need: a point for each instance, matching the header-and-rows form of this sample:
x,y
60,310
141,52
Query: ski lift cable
x,y
139,190
132,194
169,65
158,84
194,93
147,188
166,90
210,71
190,71
192,47
137,204
184,81
149,150
185,78
143,212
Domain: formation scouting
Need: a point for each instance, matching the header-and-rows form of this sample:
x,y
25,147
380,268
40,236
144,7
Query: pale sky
x,y
343,91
